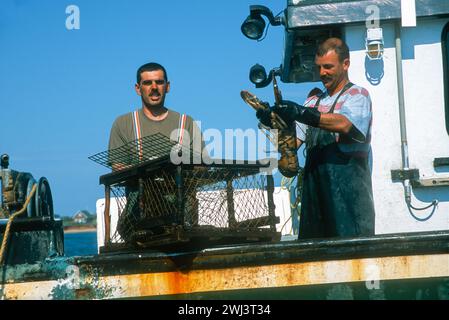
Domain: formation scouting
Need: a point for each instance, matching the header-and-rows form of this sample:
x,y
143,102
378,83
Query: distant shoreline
x,y
79,229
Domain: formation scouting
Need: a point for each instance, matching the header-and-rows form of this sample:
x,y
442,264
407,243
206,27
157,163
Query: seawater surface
x,y
80,243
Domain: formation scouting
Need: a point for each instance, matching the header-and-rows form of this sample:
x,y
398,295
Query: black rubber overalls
x,y
337,196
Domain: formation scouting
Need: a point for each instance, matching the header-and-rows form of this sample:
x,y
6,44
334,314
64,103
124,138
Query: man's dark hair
x,y
335,44
152,66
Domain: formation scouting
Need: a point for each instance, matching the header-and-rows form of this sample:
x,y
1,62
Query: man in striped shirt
x,y
337,196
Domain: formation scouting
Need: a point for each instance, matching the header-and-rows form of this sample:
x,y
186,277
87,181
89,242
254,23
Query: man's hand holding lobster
x,y
270,118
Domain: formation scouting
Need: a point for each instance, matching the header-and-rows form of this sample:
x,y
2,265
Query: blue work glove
x,y
290,111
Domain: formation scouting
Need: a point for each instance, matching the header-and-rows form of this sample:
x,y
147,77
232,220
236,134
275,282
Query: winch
x,y
16,188
28,229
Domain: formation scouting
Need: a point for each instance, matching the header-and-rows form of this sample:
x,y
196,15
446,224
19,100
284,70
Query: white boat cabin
x,y
407,77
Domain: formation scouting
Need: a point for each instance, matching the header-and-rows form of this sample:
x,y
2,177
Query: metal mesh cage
x,y
135,152
159,202
218,200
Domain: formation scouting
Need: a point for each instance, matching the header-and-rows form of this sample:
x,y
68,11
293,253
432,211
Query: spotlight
x,y
257,74
254,25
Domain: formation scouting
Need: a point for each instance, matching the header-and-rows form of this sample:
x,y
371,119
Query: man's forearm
x,y
335,123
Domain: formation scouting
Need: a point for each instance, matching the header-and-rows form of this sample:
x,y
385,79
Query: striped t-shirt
x,y
355,105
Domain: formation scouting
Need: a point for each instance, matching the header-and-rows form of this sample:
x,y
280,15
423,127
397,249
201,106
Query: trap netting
x,y
156,198
139,151
211,199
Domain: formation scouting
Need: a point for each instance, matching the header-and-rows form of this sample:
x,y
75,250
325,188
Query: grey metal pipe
x,y
403,128
400,81
402,119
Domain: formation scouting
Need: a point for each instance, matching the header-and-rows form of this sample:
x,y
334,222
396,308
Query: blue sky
x,y
60,89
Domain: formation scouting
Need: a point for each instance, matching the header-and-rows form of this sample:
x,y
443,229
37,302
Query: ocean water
x,y
80,244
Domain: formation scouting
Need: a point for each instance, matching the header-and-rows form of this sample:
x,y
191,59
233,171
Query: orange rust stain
x,y
224,279
172,281
356,271
11,295
83,293
227,279
276,275
294,274
290,277
404,265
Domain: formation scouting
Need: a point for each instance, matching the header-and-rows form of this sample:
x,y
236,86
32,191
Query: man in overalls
x,y
130,130
337,196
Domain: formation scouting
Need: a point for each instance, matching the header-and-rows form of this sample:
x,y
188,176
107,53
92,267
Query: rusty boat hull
x,y
399,266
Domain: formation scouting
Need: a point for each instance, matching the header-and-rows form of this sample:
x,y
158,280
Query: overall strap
x,y
137,133
345,88
317,103
182,126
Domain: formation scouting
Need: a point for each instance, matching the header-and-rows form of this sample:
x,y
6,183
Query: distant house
x,y
80,217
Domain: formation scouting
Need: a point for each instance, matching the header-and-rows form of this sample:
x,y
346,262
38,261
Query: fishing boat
x,y
400,53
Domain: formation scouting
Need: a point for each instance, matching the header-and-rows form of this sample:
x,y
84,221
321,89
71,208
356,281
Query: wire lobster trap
x,y
161,203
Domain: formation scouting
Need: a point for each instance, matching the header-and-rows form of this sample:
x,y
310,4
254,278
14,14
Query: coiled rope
x,y
8,225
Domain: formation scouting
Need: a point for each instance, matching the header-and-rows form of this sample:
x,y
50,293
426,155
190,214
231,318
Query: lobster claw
x,y
253,101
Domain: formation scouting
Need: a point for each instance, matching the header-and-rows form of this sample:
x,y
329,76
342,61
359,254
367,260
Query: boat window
x,y
445,45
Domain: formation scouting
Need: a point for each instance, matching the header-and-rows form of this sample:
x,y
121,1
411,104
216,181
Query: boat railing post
x,y
271,206
230,202
107,216
141,198
180,193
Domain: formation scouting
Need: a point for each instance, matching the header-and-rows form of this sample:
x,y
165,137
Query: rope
x,y
8,226
285,223
287,184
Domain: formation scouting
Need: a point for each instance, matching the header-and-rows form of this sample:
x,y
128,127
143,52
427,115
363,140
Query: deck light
x,y
258,75
254,25
374,43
